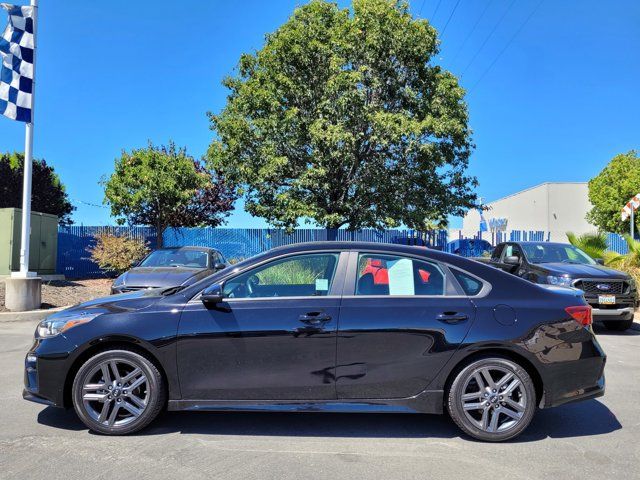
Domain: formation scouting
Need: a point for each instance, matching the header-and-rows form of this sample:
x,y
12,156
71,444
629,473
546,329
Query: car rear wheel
x,y
492,399
118,392
618,325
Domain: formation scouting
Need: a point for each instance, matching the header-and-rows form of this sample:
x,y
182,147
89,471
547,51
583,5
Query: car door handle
x,y
452,317
314,318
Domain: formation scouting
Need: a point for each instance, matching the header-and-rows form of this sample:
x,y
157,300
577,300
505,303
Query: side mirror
x,y
219,266
600,261
512,260
212,295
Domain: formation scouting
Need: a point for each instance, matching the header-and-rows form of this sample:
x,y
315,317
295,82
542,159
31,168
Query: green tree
x,y
343,119
611,189
48,194
164,187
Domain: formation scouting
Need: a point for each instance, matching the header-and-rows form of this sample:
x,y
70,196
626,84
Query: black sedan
x,y
170,267
330,326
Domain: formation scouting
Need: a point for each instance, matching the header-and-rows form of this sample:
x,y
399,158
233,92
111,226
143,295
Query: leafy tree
x,y
342,118
611,189
116,253
164,187
48,194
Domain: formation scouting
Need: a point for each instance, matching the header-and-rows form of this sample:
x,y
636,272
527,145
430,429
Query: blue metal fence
x,y
617,243
74,260
238,243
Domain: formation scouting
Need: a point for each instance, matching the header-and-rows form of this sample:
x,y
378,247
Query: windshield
x,y
554,253
176,258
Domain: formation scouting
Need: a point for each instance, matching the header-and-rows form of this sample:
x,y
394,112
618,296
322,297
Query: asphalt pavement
x,y
593,439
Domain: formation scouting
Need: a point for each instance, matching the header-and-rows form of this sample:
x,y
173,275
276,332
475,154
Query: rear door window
x,y
397,276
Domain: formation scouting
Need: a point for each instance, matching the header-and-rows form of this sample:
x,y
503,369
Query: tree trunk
x,y
159,230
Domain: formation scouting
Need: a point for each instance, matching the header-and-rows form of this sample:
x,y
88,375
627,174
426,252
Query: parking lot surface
x,y
594,439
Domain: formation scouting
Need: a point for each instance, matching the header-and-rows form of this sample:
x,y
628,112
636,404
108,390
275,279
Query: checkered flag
x,y
16,72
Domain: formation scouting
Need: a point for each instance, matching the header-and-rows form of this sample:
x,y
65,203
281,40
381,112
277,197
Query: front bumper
x,y
625,313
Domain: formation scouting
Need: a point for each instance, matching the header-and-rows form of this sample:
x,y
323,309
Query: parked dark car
x,y
611,293
307,328
170,267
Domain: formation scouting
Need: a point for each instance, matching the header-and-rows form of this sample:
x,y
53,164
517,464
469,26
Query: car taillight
x,y
581,314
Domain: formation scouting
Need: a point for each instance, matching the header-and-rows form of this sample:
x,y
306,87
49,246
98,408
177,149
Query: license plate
x,y
607,299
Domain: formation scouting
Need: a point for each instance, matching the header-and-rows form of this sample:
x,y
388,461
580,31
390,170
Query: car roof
x,y
191,247
539,243
358,245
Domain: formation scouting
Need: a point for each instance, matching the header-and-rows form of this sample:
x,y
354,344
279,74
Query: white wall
x,y
551,207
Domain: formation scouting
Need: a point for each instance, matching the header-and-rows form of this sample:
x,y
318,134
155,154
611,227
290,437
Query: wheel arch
x,y
501,353
104,344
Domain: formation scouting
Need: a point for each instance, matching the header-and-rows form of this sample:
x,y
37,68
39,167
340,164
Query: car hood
x,y
123,302
158,276
575,270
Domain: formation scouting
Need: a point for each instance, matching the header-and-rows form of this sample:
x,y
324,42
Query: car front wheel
x,y
118,392
492,399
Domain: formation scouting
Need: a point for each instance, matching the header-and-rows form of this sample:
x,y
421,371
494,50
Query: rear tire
x,y
618,325
117,392
492,399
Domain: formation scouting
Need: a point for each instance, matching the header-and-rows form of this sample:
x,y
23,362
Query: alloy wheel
x,y
494,399
116,392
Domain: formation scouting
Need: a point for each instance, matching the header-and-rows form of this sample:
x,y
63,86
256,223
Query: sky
x,y
553,87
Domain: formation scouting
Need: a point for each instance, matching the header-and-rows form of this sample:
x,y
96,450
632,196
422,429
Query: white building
x,y
554,208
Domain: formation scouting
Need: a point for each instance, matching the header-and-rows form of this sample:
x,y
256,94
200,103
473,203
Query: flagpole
x,y
28,163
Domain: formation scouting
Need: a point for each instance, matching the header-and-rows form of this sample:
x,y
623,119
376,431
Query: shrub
x,y
115,253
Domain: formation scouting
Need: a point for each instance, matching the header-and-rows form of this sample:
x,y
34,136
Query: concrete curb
x,y
27,316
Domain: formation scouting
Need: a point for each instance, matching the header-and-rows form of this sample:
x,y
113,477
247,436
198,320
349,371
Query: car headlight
x,y
52,326
560,281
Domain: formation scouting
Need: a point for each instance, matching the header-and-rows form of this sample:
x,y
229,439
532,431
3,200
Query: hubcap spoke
x,y
130,376
114,368
493,425
137,382
93,387
106,375
114,414
515,405
511,413
486,375
137,401
511,387
474,406
133,410
95,397
104,412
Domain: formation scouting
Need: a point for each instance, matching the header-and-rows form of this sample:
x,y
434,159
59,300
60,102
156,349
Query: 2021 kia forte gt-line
x,y
330,327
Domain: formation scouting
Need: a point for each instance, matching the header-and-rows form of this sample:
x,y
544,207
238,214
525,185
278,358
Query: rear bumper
x,y
579,395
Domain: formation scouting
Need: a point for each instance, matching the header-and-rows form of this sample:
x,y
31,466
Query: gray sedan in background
x,y
170,267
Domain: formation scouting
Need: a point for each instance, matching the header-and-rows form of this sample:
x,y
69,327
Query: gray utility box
x,y
43,245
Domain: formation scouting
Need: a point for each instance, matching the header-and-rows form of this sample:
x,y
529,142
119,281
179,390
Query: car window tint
x,y
470,285
497,252
395,275
299,276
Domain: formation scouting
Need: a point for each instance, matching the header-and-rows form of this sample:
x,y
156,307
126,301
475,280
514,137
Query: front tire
x,y
618,325
117,392
492,399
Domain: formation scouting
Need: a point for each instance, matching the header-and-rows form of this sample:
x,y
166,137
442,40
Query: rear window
x,y
469,284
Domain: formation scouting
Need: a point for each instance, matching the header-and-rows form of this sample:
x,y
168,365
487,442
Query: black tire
x,y
471,420
118,398
618,325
